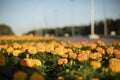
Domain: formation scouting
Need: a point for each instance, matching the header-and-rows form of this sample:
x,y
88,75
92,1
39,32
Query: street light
x,y
92,35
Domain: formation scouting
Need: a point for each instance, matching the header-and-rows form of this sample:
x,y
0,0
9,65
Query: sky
x,y
25,15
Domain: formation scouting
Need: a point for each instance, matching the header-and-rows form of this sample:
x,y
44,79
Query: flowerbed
x,y
58,60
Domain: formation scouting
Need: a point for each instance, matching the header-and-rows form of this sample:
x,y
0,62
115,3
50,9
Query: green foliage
x,y
50,68
5,30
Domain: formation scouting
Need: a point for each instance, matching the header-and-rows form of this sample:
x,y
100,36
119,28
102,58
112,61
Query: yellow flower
x,y
59,50
2,60
40,47
9,50
32,50
37,62
36,76
16,52
30,62
95,64
114,65
19,75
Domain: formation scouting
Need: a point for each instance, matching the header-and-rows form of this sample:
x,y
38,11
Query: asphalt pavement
x,y
83,38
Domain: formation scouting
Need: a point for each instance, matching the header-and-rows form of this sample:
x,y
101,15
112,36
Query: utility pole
x,y
92,35
72,18
46,24
105,22
92,17
56,23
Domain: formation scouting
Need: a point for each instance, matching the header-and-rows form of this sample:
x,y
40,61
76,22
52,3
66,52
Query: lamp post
x,y
92,35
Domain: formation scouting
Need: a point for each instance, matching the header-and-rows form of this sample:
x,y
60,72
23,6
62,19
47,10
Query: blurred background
x,y
60,18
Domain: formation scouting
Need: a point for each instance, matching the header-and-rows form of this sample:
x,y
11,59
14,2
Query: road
x,y
82,38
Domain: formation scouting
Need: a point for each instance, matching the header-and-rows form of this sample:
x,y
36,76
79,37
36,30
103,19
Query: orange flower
x,y
84,43
110,50
100,50
114,65
101,43
95,64
3,46
72,55
83,55
96,56
92,45
54,52
30,62
65,55
24,47
16,45
19,75
117,53
2,60
32,50
63,43
62,61
77,45
16,52
69,50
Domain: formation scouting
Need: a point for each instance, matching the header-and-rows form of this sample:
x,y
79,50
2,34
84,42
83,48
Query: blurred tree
x,y
99,27
51,31
5,30
85,30
115,26
60,31
67,29
112,25
109,25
